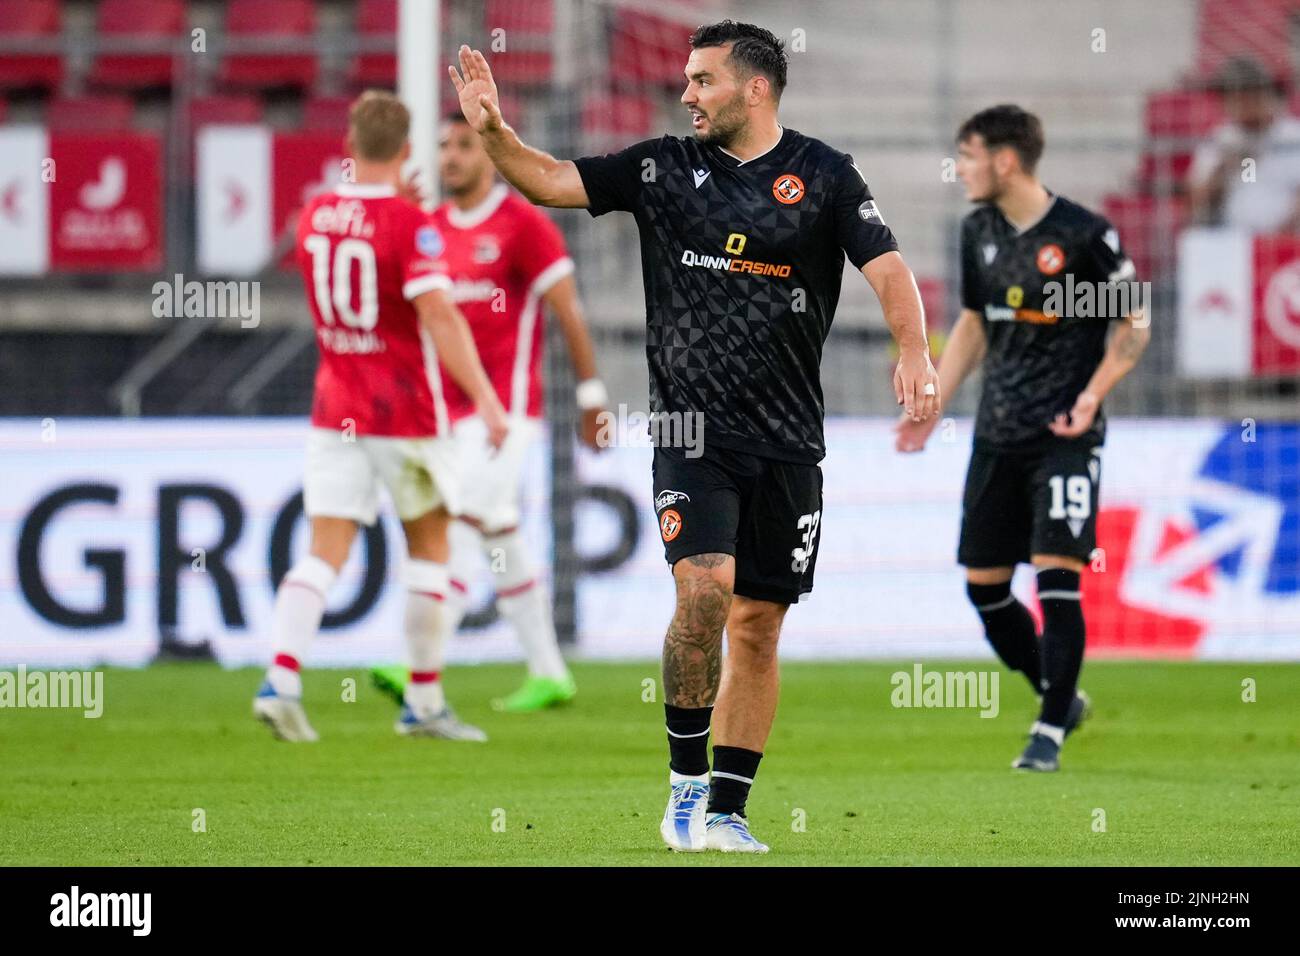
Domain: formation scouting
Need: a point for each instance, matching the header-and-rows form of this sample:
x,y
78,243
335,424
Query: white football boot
x,y
284,715
729,832
444,725
683,823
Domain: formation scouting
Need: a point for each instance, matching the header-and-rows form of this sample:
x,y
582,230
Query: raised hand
x,y
477,91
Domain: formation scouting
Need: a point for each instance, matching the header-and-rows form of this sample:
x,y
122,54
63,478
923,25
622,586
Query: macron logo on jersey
x,y
700,175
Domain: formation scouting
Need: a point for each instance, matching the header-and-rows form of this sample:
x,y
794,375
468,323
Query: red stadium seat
x,y
536,17
648,49
151,22
376,20
376,25
212,110
621,115
1183,113
1164,173
21,22
1259,28
526,29
522,67
278,26
326,114
104,113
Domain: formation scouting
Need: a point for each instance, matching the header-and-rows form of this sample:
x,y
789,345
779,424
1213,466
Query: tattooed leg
x,y
692,660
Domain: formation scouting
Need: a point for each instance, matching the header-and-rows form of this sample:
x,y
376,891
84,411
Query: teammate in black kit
x,y
1031,491
744,229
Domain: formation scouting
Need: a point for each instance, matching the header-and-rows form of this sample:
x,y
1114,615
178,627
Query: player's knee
x,y
331,540
426,536
754,628
704,595
705,590
756,643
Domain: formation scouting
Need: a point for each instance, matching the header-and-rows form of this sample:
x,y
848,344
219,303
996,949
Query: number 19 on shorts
x,y
1071,497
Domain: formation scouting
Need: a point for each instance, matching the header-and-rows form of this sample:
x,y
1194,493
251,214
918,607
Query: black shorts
x,y
1022,503
766,513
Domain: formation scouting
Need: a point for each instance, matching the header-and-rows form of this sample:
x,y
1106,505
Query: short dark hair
x,y
753,49
1007,125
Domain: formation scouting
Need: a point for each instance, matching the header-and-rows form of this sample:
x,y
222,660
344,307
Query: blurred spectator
x,y
1223,191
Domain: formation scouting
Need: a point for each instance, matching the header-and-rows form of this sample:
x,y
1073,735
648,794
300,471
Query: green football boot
x,y
538,693
391,679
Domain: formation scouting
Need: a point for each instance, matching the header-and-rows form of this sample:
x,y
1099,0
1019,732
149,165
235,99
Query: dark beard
x,y
724,126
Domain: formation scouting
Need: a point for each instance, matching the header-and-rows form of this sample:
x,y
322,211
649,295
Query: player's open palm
x,y
477,91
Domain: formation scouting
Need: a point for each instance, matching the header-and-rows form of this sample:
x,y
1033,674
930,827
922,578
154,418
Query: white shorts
x,y
492,483
343,477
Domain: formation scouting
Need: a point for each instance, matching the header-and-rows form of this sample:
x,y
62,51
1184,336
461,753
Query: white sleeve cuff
x,y
422,284
552,274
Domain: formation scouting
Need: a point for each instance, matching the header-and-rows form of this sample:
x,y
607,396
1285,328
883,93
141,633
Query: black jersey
x,y
1039,360
742,264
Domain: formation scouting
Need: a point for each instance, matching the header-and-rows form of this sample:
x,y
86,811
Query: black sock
x,y
1009,627
1063,639
733,774
688,739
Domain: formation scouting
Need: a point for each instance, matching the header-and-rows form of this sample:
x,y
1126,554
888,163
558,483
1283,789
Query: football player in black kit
x,y
744,229
1031,490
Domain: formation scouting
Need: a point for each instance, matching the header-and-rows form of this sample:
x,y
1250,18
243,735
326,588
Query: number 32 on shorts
x,y
801,555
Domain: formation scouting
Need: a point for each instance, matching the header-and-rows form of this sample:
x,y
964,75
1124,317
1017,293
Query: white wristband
x,y
592,394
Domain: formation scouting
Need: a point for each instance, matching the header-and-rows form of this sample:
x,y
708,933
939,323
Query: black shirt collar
x,y
731,162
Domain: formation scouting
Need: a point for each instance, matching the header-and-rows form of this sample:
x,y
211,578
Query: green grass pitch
x,y
1184,771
